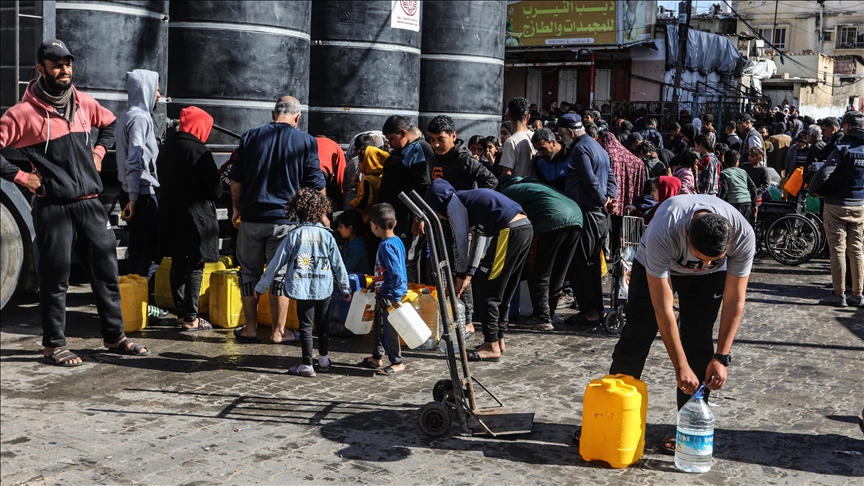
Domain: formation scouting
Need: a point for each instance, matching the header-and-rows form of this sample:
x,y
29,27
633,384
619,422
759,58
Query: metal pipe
x,y
774,28
17,50
683,28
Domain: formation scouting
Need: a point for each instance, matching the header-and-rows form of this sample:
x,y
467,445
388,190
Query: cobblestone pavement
x,y
206,410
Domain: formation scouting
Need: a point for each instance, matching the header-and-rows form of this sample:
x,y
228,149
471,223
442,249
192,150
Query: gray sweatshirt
x,y
136,139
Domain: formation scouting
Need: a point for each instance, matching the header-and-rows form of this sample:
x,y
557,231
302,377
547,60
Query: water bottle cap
x,y
698,395
424,291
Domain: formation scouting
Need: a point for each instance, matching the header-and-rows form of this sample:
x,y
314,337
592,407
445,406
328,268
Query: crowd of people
x,y
543,202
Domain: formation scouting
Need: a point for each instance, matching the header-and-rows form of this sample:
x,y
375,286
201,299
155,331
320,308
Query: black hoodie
x,y
462,170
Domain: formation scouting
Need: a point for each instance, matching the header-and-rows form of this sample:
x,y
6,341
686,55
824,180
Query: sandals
x,y
475,356
388,371
668,447
203,325
301,370
62,357
296,339
129,348
365,363
243,339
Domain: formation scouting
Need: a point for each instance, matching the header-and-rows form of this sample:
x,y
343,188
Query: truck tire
x,y
11,255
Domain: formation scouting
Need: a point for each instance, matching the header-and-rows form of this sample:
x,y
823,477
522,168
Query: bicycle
x,y
622,265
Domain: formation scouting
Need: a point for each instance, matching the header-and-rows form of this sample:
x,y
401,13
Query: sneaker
x,y
565,301
834,300
855,300
324,363
534,323
301,370
153,311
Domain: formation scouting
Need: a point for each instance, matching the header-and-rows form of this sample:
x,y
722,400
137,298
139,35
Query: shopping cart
x,y
455,396
622,266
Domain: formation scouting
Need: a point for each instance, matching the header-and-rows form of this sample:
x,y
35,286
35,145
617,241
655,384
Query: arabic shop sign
x,y
580,22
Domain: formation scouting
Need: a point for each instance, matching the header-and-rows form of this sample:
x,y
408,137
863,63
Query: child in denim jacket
x,y
311,261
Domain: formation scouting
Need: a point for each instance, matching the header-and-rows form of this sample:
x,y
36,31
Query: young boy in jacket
x,y
391,285
51,127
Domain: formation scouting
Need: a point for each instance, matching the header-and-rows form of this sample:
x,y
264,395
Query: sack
x,y
795,183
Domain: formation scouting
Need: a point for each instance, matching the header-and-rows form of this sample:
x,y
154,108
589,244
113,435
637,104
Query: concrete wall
x,y
514,83
801,18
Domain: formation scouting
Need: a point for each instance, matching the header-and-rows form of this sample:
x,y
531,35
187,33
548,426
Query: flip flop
x,y
668,447
245,340
368,364
475,356
203,325
62,357
125,349
296,339
388,371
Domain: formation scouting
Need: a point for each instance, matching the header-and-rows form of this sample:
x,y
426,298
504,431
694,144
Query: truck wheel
x,y
11,255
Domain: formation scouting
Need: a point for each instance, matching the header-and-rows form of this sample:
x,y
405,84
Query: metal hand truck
x,y
631,234
455,396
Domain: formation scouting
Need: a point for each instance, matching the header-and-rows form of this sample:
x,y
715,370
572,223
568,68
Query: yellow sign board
x,y
561,23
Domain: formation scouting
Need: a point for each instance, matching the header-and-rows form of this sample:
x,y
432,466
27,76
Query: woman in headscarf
x,y
630,172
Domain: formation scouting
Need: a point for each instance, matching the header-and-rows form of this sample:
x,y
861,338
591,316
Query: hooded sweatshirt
x,y
136,137
372,168
667,186
58,149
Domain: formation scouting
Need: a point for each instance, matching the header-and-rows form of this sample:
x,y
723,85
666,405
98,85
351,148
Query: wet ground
x,y
207,410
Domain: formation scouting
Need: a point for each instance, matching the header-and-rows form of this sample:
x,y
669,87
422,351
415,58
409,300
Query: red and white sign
x,y
405,14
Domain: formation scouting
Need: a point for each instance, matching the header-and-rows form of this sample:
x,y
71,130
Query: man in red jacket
x,y
51,126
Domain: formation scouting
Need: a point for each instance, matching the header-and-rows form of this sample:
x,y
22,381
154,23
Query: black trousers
x,y
616,226
585,268
699,299
143,229
498,276
467,297
185,278
307,311
81,226
386,338
546,268
746,210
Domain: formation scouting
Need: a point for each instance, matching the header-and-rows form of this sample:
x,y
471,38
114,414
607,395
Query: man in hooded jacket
x,y
51,127
136,170
188,229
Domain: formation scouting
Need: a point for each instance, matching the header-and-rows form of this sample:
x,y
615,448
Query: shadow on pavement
x,y
387,433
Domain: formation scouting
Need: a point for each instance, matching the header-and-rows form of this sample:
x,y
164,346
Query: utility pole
x,y
774,28
684,9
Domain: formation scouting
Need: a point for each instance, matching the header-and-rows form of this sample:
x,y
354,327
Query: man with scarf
x,y
51,127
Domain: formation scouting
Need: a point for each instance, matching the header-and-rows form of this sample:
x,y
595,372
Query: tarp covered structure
x,y
705,53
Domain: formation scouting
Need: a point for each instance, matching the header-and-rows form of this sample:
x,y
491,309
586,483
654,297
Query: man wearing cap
x,y
708,128
750,137
841,182
51,127
591,183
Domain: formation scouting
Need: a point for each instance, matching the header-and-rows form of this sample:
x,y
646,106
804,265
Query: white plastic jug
x,y
408,323
361,314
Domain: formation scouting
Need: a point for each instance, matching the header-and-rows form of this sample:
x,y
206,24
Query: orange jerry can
x,y
613,420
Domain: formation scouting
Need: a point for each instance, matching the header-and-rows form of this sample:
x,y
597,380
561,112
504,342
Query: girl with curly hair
x,y
311,261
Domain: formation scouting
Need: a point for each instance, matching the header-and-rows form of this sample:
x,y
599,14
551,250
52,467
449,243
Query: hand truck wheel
x,y
434,419
443,390
615,320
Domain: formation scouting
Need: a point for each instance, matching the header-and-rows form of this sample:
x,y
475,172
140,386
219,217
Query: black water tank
x,y
363,69
109,39
462,66
234,58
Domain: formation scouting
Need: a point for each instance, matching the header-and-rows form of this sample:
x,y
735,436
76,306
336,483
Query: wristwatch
x,y
724,359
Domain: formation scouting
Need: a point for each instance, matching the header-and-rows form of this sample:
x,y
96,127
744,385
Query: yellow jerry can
x,y
133,302
226,306
613,420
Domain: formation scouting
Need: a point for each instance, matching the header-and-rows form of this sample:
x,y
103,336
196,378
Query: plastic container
x,y
163,297
613,422
338,307
427,307
133,302
411,297
694,440
361,313
292,322
458,321
226,306
410,326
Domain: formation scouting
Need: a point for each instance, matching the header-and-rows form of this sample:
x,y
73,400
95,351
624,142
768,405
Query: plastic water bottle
x,y
694,440
459,324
